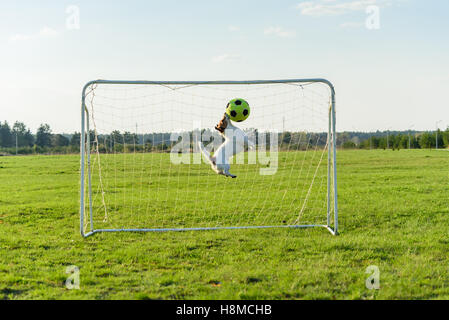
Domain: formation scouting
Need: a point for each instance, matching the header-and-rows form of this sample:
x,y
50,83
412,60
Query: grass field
x,y
393,214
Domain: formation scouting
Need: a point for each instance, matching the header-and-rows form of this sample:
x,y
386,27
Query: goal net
x,y
142,168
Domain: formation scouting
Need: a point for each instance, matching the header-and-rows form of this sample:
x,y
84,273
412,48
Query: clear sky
x,y
394,77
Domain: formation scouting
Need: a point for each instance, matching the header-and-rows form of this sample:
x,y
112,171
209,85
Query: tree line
x,y
18,139
396,140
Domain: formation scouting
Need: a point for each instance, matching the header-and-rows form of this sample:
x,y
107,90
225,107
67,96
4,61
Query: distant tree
x,y
440,139
116,137
6,136
343,137
43,136
130,138
58,140
403,142
397,142
75,140
375,143
24,136
18,130
365,144
148,146
383,143
349,145
445,135
426,141
414,142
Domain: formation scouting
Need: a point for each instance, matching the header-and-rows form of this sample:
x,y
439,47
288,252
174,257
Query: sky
x,y
388,59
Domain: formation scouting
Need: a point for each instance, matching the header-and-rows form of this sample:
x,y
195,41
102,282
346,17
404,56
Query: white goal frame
x,y
85,154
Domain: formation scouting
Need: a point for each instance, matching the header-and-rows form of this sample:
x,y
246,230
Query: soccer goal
x,y
142,169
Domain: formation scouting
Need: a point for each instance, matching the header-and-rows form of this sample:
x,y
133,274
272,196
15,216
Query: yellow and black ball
x,y
238,110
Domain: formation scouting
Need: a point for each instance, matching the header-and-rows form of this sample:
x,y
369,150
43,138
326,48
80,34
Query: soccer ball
x,y
238,110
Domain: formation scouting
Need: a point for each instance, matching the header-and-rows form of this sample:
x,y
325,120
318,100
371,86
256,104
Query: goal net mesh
x,y
142,179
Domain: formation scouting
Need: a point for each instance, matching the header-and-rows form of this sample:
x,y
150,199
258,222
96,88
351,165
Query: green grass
x,y
393,214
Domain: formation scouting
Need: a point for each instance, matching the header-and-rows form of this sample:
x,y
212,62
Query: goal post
x,y
142,169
